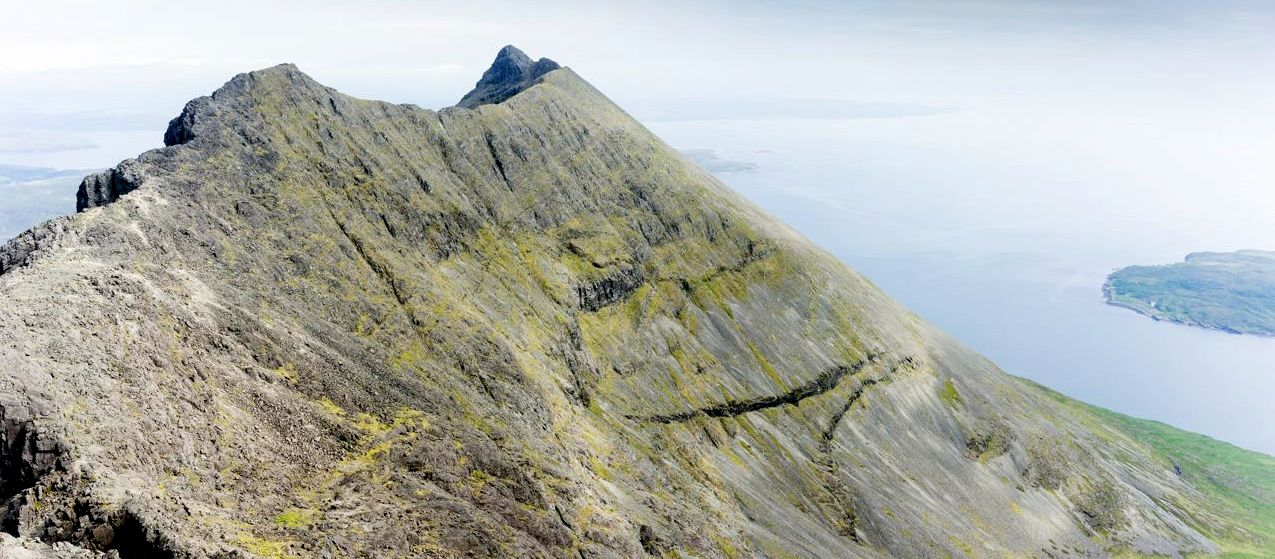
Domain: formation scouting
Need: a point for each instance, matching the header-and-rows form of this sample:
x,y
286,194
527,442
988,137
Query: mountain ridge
x,y
318,325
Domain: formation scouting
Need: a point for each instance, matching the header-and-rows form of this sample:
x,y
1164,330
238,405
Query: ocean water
x,y
1001,230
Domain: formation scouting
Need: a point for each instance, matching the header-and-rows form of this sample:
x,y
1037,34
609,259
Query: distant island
x,y
1229,291
711,162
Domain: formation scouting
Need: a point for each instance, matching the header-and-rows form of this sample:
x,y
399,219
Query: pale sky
x,y
77,74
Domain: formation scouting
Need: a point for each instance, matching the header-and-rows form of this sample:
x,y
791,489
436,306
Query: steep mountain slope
x,y
320,326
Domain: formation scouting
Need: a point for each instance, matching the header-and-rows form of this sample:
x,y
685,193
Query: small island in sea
x,y
1229,291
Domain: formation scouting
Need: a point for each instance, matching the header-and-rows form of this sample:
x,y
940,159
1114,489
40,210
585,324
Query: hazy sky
x,y
74,75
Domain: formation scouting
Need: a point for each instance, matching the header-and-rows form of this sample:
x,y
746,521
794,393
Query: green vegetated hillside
x,y
321,326
1232,291
1239,483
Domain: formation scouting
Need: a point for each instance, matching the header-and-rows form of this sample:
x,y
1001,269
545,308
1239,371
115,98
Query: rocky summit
x,y
320,326
512,72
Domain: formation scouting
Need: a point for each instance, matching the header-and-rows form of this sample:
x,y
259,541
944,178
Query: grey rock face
x,y
512,72
25,548
105,187
19,250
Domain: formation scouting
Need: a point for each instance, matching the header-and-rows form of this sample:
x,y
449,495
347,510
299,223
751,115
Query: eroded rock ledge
x,y
826,381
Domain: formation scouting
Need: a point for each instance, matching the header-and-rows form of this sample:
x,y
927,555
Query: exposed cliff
x,y
511,72
320,326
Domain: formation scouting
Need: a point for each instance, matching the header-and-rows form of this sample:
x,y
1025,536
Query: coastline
x,y
1108,295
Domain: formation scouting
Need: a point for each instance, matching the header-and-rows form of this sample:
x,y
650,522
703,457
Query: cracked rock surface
x,y
320,326
22,548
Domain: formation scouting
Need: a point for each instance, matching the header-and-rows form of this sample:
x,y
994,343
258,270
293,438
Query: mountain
x,y
1228,291
319,326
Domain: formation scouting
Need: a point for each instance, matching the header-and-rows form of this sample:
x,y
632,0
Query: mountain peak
x,y
238,91
510,52
511,73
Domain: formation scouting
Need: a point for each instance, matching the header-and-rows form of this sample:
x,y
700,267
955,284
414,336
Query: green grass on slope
x,y
1241,480
1240,483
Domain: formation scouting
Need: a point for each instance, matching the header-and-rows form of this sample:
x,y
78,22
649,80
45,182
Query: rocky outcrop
x,y
512,72
105,187
21,250
611,288
822,383
26,548
26,454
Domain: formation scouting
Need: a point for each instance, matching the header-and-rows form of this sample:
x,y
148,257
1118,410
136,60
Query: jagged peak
x,y
234,106
510,73
199,117
187,126
245,82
